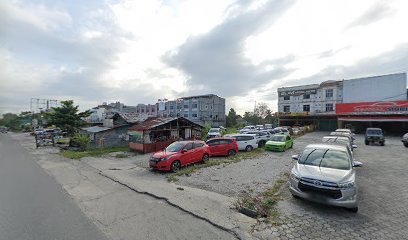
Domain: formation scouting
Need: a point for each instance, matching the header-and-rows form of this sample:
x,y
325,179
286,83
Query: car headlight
x,y
347,185
295,177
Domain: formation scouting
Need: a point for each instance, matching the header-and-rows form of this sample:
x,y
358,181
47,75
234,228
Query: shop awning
x,y
375,119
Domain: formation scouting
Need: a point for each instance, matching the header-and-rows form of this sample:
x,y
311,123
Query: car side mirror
x,y
354,146
295,157
357,164
183,151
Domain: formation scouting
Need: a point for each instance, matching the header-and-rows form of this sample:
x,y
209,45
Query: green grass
x,y
121,155
173,177
62,140
93,152
263,202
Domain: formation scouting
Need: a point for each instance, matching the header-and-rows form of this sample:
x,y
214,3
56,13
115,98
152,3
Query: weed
x,y
92,152
121,155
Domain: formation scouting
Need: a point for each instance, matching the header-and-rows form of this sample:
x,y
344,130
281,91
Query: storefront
x,y
391,116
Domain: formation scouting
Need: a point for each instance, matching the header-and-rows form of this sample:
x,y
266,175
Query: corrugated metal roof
x,y
96,129
158,121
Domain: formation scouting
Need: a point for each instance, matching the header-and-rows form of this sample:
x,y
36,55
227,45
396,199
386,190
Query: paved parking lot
x,y
383,210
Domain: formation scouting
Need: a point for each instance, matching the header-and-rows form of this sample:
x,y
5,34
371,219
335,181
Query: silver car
x,y
325,173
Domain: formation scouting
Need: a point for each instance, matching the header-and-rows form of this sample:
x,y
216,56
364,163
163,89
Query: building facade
x,y
203,109
317,103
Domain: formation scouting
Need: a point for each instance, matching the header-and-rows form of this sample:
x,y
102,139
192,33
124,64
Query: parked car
x,y
38,131
374,135
180,154
261,137
404,139
344,134
279,142
282,130
326,174
268,126
245,142
223,146
344,130
214,132
259,127
3,129
341,140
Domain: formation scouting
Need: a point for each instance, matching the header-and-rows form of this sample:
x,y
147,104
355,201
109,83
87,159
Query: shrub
x,y
80,140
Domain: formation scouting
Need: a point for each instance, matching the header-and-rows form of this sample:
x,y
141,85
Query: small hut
x,y
157,133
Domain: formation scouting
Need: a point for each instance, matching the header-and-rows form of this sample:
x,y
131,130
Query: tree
x,y
232,118
67,117
269,118
261,110
11,121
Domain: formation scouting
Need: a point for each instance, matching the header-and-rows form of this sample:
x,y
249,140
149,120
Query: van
x,y
245,142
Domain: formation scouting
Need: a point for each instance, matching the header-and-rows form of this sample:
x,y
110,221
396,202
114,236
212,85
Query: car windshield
x,y
374,132
327,158
278,138
214,130
175,147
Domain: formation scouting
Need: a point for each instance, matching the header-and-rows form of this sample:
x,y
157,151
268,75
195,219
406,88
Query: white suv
x,y
245,142
214,132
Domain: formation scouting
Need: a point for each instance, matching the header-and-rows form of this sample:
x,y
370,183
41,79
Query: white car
x,y
214,132
261,137
326,174
245,142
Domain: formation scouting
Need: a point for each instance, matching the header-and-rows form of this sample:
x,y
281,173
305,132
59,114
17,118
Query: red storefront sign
x,y
374,108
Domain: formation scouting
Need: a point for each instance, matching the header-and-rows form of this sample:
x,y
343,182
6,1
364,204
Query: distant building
x,y
201,109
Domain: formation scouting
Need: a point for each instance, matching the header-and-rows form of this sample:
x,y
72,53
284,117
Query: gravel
x,y
256,174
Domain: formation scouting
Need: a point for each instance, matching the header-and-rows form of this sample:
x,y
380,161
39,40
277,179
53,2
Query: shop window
x,y
286,108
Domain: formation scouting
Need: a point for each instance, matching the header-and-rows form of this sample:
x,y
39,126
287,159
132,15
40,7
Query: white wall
x,y
380,88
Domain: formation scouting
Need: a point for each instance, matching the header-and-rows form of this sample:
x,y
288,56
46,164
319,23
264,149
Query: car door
x,y
187,155
199,151
240,142
212,145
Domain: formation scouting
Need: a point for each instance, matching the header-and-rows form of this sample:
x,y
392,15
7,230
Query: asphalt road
x,y
33,205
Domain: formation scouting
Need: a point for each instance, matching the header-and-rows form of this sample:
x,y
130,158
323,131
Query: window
x,y
329,107
329,93
171,107
286,108
189,146
142,110
286,98
198,144
306,108
194,105
213,142
225,141
306,96
185,106
186,115
194,115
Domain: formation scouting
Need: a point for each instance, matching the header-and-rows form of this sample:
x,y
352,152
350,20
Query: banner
x,y
367,108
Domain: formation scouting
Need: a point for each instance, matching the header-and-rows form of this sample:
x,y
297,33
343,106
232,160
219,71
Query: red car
x,y
180,154
223,146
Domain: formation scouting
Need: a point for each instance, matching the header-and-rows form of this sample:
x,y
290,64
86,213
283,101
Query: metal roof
x,y
158,121
96,129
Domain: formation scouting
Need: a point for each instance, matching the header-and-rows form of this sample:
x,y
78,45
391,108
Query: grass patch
x,y
62,141
263,203
93,152
121,155
173,177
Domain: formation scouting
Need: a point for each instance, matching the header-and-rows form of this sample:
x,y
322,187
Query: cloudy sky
x,y
134,52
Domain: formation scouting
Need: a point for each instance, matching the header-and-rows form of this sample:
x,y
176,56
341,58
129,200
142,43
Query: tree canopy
x,y
67,117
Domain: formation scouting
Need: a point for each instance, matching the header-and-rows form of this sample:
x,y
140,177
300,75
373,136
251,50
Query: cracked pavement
x,y
117,210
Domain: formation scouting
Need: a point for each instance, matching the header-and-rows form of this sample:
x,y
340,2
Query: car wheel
x,y
406,145
382,143
366,142
261,144
175,166
205,158
354,210
291,145
231,153
249,148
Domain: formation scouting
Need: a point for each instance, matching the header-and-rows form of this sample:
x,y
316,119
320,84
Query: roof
x,y
158,121
198,96
96,129
129,117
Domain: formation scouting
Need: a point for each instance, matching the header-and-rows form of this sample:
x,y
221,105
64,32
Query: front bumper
x,y
279,148
348,197
161,166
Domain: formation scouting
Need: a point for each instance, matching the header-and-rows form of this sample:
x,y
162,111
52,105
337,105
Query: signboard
x,y
297,92
372,108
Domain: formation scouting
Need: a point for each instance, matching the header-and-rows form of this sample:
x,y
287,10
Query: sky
x,y
135,52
